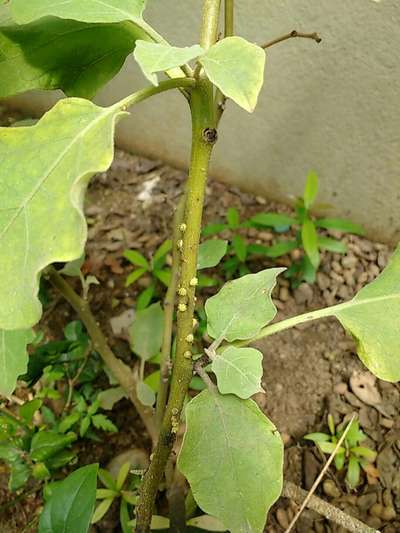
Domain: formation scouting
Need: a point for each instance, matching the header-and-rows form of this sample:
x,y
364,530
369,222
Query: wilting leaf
x,y
236,67
235,467
239,371
43,176
243,306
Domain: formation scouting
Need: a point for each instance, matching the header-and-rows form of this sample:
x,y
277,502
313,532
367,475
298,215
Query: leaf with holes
x,y
47,184
13,358
159,57
239,477
236,67
242,307
43,55
239,371
372,317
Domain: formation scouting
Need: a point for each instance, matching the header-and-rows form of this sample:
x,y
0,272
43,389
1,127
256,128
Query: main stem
x,y
201,104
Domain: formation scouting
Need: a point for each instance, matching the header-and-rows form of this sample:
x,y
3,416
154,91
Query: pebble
x,y
340,388
386,423
348,276
376,509
336,267
282,518
349,261
304,294
374,521
366,501
284,294
323,281
388,513
331,489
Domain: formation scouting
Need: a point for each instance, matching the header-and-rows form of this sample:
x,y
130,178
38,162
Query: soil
x,y
310,371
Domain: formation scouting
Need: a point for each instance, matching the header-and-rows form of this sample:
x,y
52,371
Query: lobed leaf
x,y
160,57
242,307
235,467
236,67
44,172
239,371
13,357
71,504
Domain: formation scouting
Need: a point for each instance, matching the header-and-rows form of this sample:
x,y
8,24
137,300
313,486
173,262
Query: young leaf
x,y
332,245
101,510
340,224
317,437
102,422
309,238
134,276
236,67
71,504
372,317
42,55
361,451
45,444
136,258
145,297
160,253
233,218
13,357
310,189
240,248
68,422
239,371
242,307
146,331
239,477
164,276
275,250
353,472
51,183
272,220
210,253
88,11
156,57
145,394
122,475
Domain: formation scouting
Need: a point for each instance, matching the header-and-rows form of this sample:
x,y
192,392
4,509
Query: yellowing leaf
x,y
13,358
239,476
239,371
372,317
236,67
242,307
43,176
156,57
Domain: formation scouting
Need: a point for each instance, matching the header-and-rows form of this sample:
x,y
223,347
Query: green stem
x,y
209,30
120,370
229,18
163,86
169,304
202,120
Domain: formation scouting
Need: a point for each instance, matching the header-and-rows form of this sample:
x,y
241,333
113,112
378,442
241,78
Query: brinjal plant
x,y
229,454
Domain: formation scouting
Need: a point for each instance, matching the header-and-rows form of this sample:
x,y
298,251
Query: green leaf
x,y
213,229
238,476
239,247
13,355
207,522
51,183
273,220
68,422
71,504
134,276
332,245
136,258
147,330
145,394
102,422
233,218
160,253
42,55
206,281
87,11
123,474
242,307
310,189
153,380
353,472
340,459
101,510
210,253
309,238
340,224
239,371
28,409
106,478
317,437
236,67
329,447
145,297
158,57
361,451
372,317
275,250
164,276
19,474
45,444
109,397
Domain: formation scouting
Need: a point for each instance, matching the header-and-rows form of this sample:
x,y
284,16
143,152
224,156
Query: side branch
x,y
120,370
314,36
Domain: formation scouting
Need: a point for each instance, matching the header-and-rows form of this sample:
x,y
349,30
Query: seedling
x,y
43,177
351,456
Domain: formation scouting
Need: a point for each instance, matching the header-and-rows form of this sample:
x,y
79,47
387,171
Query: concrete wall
x,y
333,107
